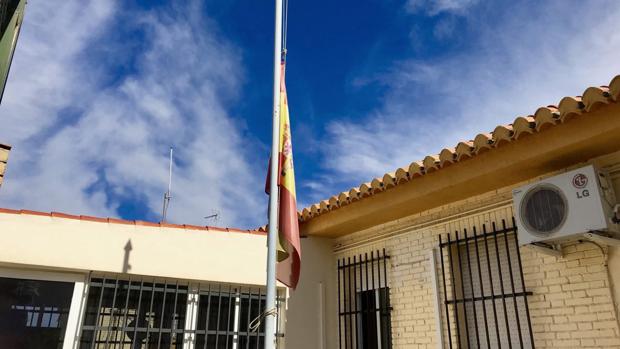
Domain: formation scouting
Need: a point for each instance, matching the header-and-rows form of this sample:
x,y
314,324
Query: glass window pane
x,y
33,313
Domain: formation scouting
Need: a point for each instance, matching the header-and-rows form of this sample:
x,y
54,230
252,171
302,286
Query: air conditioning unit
x,y
564,207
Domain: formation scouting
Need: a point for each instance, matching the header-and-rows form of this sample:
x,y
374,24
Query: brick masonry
x,y
571,305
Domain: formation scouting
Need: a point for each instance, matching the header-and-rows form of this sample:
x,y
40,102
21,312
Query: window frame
x,y
75,311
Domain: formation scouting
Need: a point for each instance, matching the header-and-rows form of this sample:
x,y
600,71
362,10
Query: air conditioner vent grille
x,y
544,210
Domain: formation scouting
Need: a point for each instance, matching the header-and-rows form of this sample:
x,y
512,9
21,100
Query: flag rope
x,y
255,324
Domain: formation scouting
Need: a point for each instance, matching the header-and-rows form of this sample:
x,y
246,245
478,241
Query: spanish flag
x,y
289,247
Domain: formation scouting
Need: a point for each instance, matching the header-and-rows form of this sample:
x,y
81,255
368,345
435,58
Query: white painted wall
x,y
312,314
70,244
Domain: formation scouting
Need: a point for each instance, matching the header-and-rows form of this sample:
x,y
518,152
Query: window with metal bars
x,y
485,300
224,316
134,314
152,314
364,302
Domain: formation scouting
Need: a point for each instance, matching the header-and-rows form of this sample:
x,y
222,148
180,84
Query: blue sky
x,y
100,89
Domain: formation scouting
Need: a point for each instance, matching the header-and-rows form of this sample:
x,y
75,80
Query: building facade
x,y
86,282
428,256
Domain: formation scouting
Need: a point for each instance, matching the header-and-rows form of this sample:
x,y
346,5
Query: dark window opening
x,y
33,314
364,302
373,319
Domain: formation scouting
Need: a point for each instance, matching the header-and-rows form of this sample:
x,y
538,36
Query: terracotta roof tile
x,y
35,213
343,198
120,221
305,213
544,117
570,106
64,215
502,134
614,88
333,202
193,227
431,163
523,126
464,150
324,205
447,156
354,194
482,142
389,180
314,210
594,97
376,185
402,175
123,221
94,219
365,190
416,169
8,210
148,224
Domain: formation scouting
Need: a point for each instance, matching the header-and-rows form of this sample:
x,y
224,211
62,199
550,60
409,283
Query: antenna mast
x,y
168,194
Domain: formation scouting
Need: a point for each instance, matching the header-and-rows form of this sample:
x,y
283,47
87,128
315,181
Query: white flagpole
x,y
270,319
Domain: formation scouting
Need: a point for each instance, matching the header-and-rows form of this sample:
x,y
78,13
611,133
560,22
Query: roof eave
x,y
576,140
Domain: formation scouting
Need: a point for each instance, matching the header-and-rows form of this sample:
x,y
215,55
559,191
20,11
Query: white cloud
x,y
434,7
520,62
83,147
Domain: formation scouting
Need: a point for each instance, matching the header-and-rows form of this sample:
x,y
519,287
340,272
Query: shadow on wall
x,y
126,265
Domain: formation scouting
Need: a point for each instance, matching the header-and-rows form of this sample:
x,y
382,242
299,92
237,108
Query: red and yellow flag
x,y
289,247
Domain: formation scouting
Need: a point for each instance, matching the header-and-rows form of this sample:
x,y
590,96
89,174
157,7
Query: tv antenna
x,y
167,194
215,216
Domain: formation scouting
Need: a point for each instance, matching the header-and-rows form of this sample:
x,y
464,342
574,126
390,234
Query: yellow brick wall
x,y
571,305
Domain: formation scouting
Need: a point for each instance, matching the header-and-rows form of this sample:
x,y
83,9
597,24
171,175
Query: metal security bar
x,y
485,299
147,313
364,302
224,316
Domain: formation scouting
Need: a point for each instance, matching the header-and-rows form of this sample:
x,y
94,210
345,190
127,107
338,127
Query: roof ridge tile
x,y
8,210
64,215
544,117
110,220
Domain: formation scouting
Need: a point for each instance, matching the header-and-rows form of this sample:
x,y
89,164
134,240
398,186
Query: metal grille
x,y
219,325
160,314
485,299
364,302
